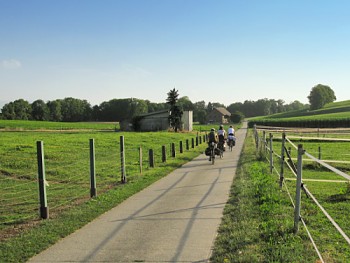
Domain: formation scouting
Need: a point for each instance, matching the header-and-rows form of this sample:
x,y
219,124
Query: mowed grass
x,y
258,219
48,125
330,190
258,222
66,154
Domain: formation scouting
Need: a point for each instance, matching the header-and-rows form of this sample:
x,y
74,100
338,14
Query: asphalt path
x,y
174,220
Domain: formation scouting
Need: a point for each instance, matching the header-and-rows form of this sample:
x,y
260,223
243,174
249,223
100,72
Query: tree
x,y
17,110
175,112
200,112
236,117
54,107
40,111
75,110
185,104
320,95
8,111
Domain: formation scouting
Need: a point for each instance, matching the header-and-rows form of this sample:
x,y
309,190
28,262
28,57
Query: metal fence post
x,y
187,145
298,188
197,139
163,154
122,160
271,154
282,159
92,169
264,142
140,159
319,152
192,143
151,158
44,210
181,149
173,153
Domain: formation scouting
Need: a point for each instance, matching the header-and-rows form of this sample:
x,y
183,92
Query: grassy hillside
x,y
336,114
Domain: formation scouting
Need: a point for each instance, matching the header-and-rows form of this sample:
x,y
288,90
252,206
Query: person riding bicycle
x,y
212,138
231,136
231,131
221,135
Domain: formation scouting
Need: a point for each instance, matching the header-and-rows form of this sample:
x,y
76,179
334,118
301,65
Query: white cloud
x,y
11,64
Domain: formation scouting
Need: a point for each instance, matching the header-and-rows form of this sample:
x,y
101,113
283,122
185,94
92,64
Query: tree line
x,y
76,110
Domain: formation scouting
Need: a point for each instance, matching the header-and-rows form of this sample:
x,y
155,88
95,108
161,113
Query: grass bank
x,y
258,219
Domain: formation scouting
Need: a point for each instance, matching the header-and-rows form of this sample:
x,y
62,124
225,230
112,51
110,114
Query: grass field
x,y
20,125
333,195
258,220
336,112
66,155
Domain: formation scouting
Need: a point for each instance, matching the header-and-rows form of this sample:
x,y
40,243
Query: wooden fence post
x,y
44,210
264,142
256,136
92,168
122,160
282,159
163,154
298,189
271,154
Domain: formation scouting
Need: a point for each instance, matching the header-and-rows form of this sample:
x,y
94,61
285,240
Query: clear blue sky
x,y
219,51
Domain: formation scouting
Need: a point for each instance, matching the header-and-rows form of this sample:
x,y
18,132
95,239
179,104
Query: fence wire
x,y
307,191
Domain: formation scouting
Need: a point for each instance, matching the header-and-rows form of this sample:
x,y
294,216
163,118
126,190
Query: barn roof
x,y
223,111
154,113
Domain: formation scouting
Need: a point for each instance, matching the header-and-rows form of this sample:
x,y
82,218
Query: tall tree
x,y
185,104
199,112
55,113
175,112
17,110
40,111
75,110
320,95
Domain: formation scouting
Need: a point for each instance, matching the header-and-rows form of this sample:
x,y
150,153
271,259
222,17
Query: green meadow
x,y
67,169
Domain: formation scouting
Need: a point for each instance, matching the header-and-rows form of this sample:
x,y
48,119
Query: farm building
x,y
158,121
219,115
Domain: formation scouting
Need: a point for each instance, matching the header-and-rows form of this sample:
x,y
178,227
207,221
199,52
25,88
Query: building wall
x,y
216,117
187,120
155,122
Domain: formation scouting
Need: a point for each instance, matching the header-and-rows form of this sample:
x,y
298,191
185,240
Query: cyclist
x,y
231,137
221,135
212,137
231,131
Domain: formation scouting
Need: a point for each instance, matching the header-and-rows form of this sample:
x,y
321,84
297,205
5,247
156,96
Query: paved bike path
x,y
173,220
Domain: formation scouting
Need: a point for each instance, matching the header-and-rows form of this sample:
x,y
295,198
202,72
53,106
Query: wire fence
x,y
67,173
266,145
